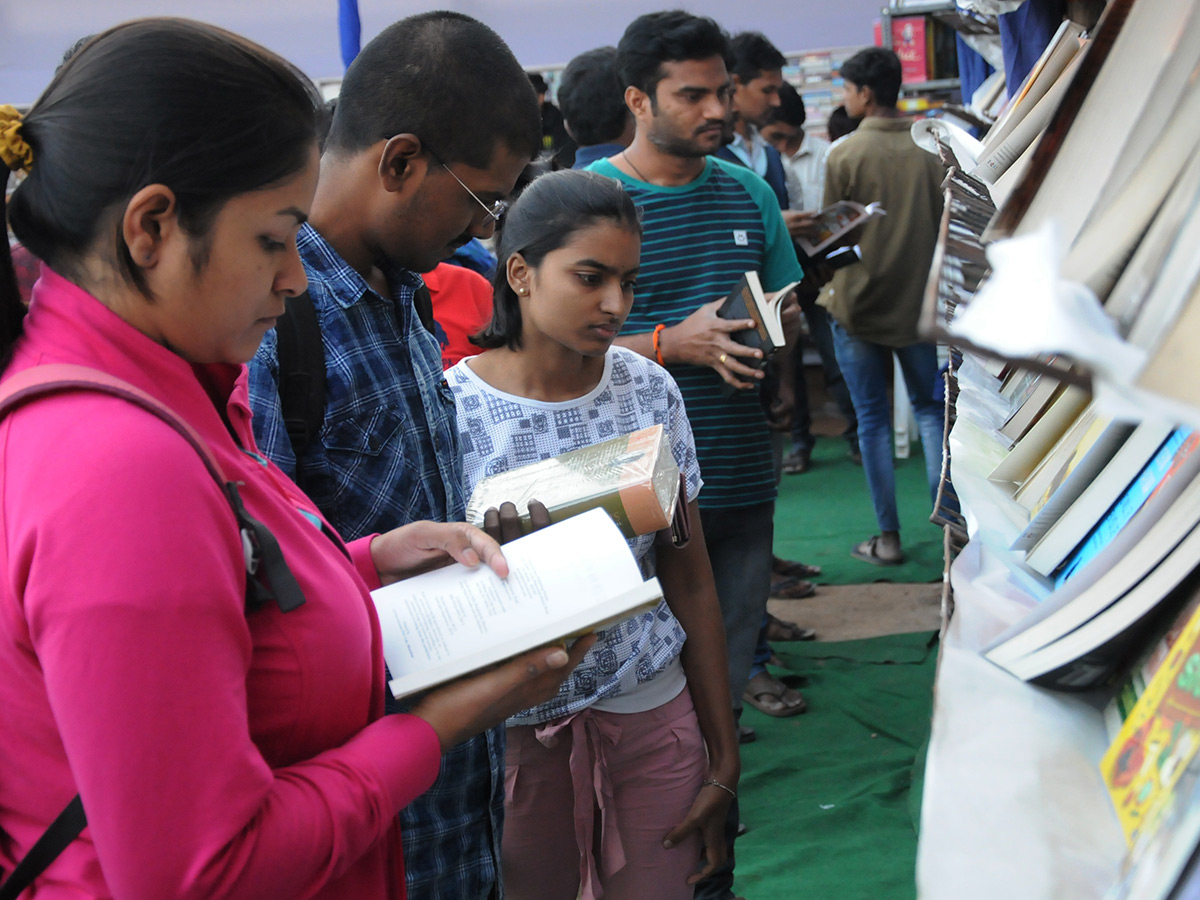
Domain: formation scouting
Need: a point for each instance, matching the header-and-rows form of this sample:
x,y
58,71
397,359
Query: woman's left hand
x,y
412,549
707,818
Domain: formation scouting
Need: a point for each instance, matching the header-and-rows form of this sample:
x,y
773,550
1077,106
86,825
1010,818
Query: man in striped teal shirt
x,y
706,223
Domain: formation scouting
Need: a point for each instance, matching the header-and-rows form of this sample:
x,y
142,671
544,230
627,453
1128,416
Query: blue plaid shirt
x,y
387,454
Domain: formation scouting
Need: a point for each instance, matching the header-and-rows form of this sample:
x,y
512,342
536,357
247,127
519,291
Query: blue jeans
x,y
819,332
866,368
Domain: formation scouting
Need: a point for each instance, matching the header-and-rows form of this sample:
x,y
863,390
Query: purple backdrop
x,y
542,33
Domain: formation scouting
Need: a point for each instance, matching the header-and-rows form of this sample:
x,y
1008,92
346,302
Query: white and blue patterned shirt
x,y
500,431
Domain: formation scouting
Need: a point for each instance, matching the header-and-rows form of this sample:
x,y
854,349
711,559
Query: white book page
x,y
456,613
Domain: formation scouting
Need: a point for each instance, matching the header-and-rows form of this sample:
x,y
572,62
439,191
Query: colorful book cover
x,y
1165,463
1159,737
908,42
633,477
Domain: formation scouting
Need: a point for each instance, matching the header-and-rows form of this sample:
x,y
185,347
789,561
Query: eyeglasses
x,y
494,211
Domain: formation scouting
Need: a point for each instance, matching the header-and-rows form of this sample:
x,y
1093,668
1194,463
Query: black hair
x,y
592,98
753,54
125,111
538,81
878,69
791,109
448,79
840,124
547,214
669,36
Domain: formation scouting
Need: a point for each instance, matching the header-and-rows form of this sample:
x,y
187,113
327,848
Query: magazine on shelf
x,y
1159,738
1088,492
1130,560
1028,451
1174,455
1046,73
1120,77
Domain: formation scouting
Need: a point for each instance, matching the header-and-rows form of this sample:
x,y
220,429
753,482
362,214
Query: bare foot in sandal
x,y
769,695
779,630
880,550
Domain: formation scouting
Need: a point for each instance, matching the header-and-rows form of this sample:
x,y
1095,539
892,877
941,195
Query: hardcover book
x,y
633,477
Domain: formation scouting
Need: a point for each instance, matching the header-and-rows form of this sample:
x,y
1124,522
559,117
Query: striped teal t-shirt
x,y
700,238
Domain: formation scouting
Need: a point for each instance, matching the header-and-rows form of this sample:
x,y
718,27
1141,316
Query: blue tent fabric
x,y
349,30
1024,34
973,69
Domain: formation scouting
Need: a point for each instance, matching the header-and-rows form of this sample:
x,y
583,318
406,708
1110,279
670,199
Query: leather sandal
x,y
769,695
779,630
868,551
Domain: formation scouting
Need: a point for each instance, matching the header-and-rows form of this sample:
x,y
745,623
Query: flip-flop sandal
x,y
792,589
868,551
793,568
779,630
773,697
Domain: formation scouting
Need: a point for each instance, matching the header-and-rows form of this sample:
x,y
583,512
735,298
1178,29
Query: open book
x,y
747,301
569,579
633,477
835,222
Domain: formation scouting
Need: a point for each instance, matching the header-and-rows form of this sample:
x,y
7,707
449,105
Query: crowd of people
x,y
257,377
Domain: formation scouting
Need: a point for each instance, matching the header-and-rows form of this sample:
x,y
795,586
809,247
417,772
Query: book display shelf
x,y
815,74
1015,804
922,33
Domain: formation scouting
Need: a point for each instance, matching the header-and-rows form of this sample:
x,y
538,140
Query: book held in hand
x,y
633,477
748,301
835,222
566,580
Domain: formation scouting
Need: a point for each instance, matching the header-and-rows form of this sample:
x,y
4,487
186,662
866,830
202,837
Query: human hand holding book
x,y
473,704
768,314
836,224
705,339
632,476
563,581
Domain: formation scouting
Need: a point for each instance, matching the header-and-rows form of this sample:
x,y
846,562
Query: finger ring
x,y
721,359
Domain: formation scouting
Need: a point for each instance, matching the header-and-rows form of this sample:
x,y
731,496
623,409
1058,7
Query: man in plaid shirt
x,y
434,123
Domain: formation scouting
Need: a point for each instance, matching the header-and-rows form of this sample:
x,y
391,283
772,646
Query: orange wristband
x,y
657,349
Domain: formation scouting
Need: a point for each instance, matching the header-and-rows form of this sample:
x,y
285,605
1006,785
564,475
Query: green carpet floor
x,y
825,511
831,797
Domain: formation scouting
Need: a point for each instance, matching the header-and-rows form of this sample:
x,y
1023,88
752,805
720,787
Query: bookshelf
x,y
1014,804
920,33
815,75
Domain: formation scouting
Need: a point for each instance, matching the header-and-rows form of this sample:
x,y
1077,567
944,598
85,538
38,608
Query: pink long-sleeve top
x,y
218,753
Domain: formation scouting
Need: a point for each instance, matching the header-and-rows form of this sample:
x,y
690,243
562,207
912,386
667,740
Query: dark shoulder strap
x,y
301,357
54,840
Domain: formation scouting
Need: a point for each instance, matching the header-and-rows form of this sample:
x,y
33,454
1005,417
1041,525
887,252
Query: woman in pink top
x,y
219,750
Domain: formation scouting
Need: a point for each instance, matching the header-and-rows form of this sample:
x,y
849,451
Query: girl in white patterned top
x,y
620,784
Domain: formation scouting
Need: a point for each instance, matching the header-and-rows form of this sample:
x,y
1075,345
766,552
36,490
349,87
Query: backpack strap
x,y
267,574
300,353
54,840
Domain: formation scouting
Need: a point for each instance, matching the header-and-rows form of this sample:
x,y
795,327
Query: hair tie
x,y
14,149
